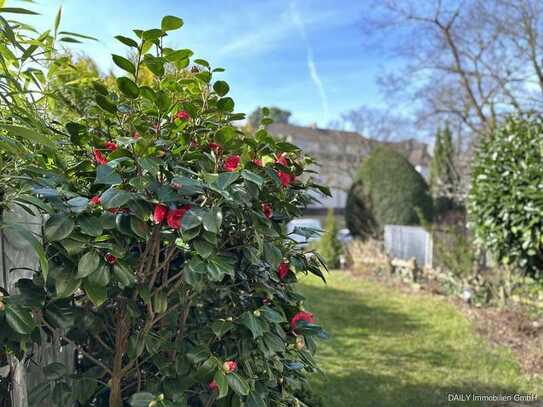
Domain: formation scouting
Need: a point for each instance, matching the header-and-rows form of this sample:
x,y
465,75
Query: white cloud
x,y
312,68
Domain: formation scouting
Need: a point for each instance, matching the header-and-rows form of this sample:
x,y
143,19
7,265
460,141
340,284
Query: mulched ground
x,y
502,327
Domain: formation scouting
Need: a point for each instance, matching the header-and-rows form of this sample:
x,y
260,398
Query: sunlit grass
x,y
393,349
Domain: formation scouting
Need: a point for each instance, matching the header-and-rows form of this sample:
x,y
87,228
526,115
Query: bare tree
x,y
379,124
468,61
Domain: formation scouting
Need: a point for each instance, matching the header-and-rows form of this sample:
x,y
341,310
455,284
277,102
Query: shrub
x,y
164,260
358,217
506,203
386,190
328,245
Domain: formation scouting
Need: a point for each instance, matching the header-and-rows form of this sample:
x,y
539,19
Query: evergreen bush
x,y
386,190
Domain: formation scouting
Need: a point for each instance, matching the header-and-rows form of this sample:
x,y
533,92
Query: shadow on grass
x,y
373,390
380,355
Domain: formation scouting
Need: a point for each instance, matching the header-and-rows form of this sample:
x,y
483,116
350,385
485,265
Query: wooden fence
x,y
18,260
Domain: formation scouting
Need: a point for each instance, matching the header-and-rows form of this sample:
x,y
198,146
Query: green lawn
x,y
392,349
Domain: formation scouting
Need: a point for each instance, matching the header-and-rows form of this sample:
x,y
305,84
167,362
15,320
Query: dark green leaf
x,y
139,227
127,41
107,175
66,284
96,293
106,104
124,274
220,379
20,319
221,88
203,248
238,384
252,177
226,105
128,87
88,264
100,277
58,227
115,198
250,322
124,63
212,220
90,225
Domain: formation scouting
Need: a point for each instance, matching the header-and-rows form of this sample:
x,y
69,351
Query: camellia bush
x,y
505,203
164,260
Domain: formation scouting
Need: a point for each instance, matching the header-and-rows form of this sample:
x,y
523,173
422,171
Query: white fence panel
x,y
406,242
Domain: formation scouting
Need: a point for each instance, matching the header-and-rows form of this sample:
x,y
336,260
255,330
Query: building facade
x,y
340,154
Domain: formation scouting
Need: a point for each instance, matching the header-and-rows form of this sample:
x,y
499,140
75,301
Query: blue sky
x,y
306,56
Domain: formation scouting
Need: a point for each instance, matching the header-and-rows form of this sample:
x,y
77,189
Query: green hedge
x,y
506,200
386,190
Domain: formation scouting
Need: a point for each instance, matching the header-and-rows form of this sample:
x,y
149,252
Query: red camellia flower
x,y
99,157
213,386
282,270
301,316
285,178
267,210
96,200
175,216
231,163
230,366
159,213
111,146
111,259
216,148
182,115
282,159
258,162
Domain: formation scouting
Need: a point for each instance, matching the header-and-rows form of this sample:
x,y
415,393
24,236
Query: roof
x,y
311,138
315,134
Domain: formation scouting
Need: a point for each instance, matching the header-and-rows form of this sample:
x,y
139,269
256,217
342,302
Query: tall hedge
x,y
386,190
506,200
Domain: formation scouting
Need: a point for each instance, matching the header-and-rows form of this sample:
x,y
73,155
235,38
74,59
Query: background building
x,y
340,154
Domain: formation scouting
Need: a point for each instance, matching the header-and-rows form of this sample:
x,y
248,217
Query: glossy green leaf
x,y
170,23
238,384
226,104
101,276
212,220
90,225
107,175
128,87
252,177
127,41
58,227
124,274
220,379
96,293
221,88
250,322
115,198
124,64
88,264
106,104
20,319
66,284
